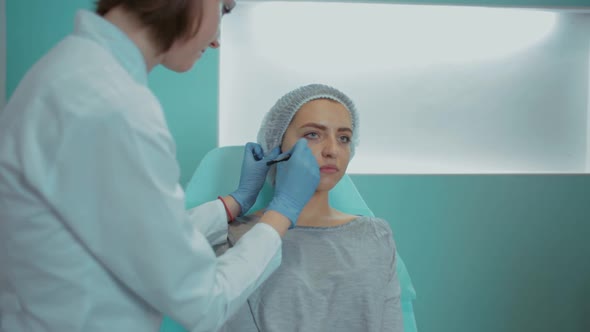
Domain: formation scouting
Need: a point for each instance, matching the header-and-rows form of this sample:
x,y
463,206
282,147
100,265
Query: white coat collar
x,y
94,27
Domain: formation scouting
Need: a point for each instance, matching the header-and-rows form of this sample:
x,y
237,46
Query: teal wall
x,y
486,253
491,253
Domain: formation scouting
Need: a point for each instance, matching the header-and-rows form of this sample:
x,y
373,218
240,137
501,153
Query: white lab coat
x,y
93,231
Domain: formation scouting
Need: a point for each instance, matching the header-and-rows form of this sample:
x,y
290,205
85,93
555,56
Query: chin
x,y
183,68
326,185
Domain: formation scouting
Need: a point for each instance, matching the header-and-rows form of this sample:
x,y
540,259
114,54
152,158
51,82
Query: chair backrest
x,y
219,174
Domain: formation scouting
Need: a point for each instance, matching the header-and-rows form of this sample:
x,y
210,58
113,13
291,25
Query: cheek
x,y
288,141
175,53
286,145
347,154
316,150
345,164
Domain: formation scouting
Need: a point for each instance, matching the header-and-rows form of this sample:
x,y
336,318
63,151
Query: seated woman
x,y
338,271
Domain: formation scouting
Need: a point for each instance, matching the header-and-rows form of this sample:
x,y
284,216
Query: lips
x,y
329,169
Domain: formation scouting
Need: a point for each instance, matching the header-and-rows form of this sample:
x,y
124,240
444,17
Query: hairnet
x,y
275,122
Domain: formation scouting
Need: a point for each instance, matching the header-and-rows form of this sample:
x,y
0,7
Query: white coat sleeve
x,y
114,184
215,227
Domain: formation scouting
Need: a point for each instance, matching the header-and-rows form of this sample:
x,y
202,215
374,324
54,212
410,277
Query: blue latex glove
x,y
296,181
253,175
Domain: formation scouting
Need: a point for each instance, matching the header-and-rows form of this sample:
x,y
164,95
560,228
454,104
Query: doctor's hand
x,y
296,181
253,175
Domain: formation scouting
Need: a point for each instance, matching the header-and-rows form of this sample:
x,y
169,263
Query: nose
x,y
215,43
330,148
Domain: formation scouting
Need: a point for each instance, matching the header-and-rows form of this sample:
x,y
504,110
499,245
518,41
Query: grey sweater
x,y
340,278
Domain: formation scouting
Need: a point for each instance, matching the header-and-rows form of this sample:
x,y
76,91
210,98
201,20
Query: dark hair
x,y
168,20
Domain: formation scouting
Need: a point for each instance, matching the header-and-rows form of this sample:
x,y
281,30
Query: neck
x,y
137,32
317,212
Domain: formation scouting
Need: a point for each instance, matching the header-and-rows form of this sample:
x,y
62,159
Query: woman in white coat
x,y
93,231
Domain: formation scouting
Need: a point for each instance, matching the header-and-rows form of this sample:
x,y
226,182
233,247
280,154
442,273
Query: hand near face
x,y
296,182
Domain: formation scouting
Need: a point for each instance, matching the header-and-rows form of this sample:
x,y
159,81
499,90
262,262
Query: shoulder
x,y
99,90
379,225
84,75
378,229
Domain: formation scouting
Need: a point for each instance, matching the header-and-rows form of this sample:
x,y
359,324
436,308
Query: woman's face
x,y
183,54
327,126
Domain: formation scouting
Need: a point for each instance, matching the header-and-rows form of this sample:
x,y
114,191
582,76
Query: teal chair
x,y
219,174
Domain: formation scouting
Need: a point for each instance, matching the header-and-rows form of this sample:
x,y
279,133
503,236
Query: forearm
x,y
209,219
240,271
277,221
232,206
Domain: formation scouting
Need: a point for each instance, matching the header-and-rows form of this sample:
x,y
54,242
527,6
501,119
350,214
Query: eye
x,y
311,135
345,139
225,9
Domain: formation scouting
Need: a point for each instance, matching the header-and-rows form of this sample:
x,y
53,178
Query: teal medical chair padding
x,y
219,174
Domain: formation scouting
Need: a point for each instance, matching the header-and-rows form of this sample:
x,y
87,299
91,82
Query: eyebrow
x,y
322,127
